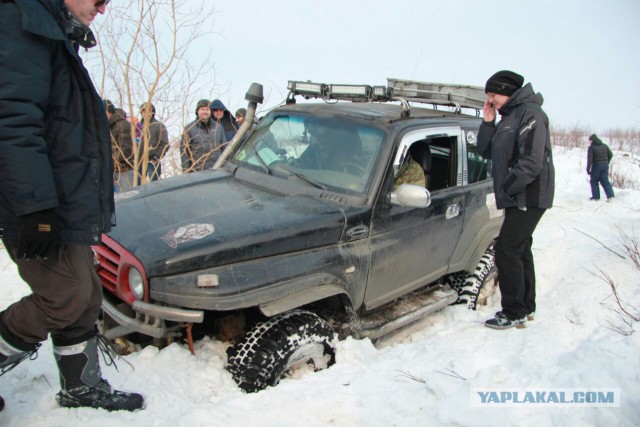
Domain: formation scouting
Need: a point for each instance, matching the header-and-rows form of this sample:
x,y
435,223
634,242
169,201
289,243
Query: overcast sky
x,y
582,55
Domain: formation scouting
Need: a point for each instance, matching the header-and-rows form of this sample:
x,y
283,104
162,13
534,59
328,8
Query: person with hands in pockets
x,y
519,147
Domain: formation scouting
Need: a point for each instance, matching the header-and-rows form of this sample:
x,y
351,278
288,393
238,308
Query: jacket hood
x,y
218,105
522,95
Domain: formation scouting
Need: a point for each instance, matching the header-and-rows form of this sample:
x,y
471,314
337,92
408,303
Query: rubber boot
x,y
82,383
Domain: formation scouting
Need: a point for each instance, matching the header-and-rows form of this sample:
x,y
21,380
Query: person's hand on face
x,y
489,111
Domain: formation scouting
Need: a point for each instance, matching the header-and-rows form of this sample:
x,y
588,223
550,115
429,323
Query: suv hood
x,y
206,219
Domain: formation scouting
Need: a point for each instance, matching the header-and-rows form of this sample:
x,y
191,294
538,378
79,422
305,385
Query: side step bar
x,y
404,312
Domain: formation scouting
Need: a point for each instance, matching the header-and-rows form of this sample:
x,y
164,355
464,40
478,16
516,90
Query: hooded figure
x,y
225,118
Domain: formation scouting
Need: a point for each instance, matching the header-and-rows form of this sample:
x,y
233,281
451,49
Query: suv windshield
x,y
327,152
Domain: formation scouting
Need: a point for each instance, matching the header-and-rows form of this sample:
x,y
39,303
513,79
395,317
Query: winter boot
x,y
82,383
503,322
12,352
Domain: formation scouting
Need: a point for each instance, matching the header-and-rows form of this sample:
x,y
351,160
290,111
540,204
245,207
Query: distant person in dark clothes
x,y
598,158
122,147
154,137
224,117
523,181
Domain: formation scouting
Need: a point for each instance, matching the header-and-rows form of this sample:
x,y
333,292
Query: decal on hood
x,y
187,233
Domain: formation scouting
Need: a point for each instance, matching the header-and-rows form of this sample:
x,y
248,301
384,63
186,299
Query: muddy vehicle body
x,y
300,232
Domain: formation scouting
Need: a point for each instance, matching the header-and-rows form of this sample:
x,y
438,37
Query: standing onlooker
x,y
202,140
519,147
224,118
56,189
598,158
152,137
241,113
122,147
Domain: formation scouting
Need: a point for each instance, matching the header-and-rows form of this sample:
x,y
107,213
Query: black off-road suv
x,y
302,232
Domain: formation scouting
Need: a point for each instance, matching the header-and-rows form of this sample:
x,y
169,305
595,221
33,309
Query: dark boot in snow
x,y
12,352
82,383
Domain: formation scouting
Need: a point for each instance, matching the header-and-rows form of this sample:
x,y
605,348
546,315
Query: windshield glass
x,y
326,152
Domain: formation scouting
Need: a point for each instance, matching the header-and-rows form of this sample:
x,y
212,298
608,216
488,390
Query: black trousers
x,y
514,261
66,298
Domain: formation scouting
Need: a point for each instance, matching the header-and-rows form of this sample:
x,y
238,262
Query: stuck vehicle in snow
x,y
301,231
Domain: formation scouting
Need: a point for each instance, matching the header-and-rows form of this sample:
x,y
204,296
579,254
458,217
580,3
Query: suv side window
x,y
479,167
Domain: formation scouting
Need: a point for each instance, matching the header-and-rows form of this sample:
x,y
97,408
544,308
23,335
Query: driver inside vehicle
x,y
330,147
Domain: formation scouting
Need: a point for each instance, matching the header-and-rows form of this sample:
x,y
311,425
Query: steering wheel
x,y
351,167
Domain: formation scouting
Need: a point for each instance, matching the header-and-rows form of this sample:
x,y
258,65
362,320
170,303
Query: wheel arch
x,y
304,297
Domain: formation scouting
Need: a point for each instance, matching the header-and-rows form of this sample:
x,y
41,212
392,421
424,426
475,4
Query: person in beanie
x,y
56,191
202,140
519,147
598,158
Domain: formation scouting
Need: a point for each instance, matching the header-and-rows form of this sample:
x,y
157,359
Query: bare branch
x,y
602,244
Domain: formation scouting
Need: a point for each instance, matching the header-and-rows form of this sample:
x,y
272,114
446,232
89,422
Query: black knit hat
x,y
594,138
202,103
504,82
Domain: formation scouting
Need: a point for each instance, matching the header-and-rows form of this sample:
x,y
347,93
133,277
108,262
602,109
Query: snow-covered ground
x,y
421,377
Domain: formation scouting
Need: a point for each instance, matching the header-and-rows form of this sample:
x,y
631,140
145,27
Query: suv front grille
x,y
108,260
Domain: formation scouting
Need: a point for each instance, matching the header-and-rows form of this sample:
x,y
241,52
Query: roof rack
x,y
403,91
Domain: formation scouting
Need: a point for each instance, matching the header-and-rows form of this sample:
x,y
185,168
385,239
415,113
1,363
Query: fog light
x,y
136,283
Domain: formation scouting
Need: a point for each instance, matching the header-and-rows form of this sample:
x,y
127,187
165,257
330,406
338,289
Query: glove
x,y
39,235
588,171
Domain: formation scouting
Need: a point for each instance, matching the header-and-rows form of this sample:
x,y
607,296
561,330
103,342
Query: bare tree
x,y
146,55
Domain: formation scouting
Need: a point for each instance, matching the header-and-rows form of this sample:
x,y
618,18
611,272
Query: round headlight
x,y
135,283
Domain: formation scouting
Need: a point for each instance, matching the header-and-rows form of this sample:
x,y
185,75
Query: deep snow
x,y
419,377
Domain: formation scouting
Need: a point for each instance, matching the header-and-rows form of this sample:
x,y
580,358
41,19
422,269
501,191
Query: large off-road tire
x,y
476,289
283,342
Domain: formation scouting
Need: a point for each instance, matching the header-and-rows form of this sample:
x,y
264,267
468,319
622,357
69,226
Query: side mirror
x,y
411,196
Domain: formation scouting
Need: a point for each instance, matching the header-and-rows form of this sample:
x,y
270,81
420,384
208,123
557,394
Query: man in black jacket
x,y
598,157
56,193
153,140
519,147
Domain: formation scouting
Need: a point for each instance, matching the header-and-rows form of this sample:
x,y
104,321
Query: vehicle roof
x,y
382,113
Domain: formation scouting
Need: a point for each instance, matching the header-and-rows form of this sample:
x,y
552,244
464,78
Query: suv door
x,y
412,246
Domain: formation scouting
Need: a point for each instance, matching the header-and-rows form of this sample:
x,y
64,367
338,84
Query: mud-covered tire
x,y
273,347
475,289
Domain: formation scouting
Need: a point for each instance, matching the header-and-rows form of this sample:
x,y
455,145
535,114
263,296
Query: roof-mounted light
x,y
380,93
350,92
307,89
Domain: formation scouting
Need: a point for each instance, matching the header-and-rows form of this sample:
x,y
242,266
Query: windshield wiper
x,y
304,177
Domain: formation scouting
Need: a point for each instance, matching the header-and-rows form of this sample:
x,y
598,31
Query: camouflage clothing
x,y
410,173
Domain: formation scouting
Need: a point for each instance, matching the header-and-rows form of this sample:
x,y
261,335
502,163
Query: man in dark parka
x,y
519,147
56,192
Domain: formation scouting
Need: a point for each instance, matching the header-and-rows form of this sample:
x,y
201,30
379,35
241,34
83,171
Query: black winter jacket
x,y
55,150
158,138
598,152
228,122
122,144
520,151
